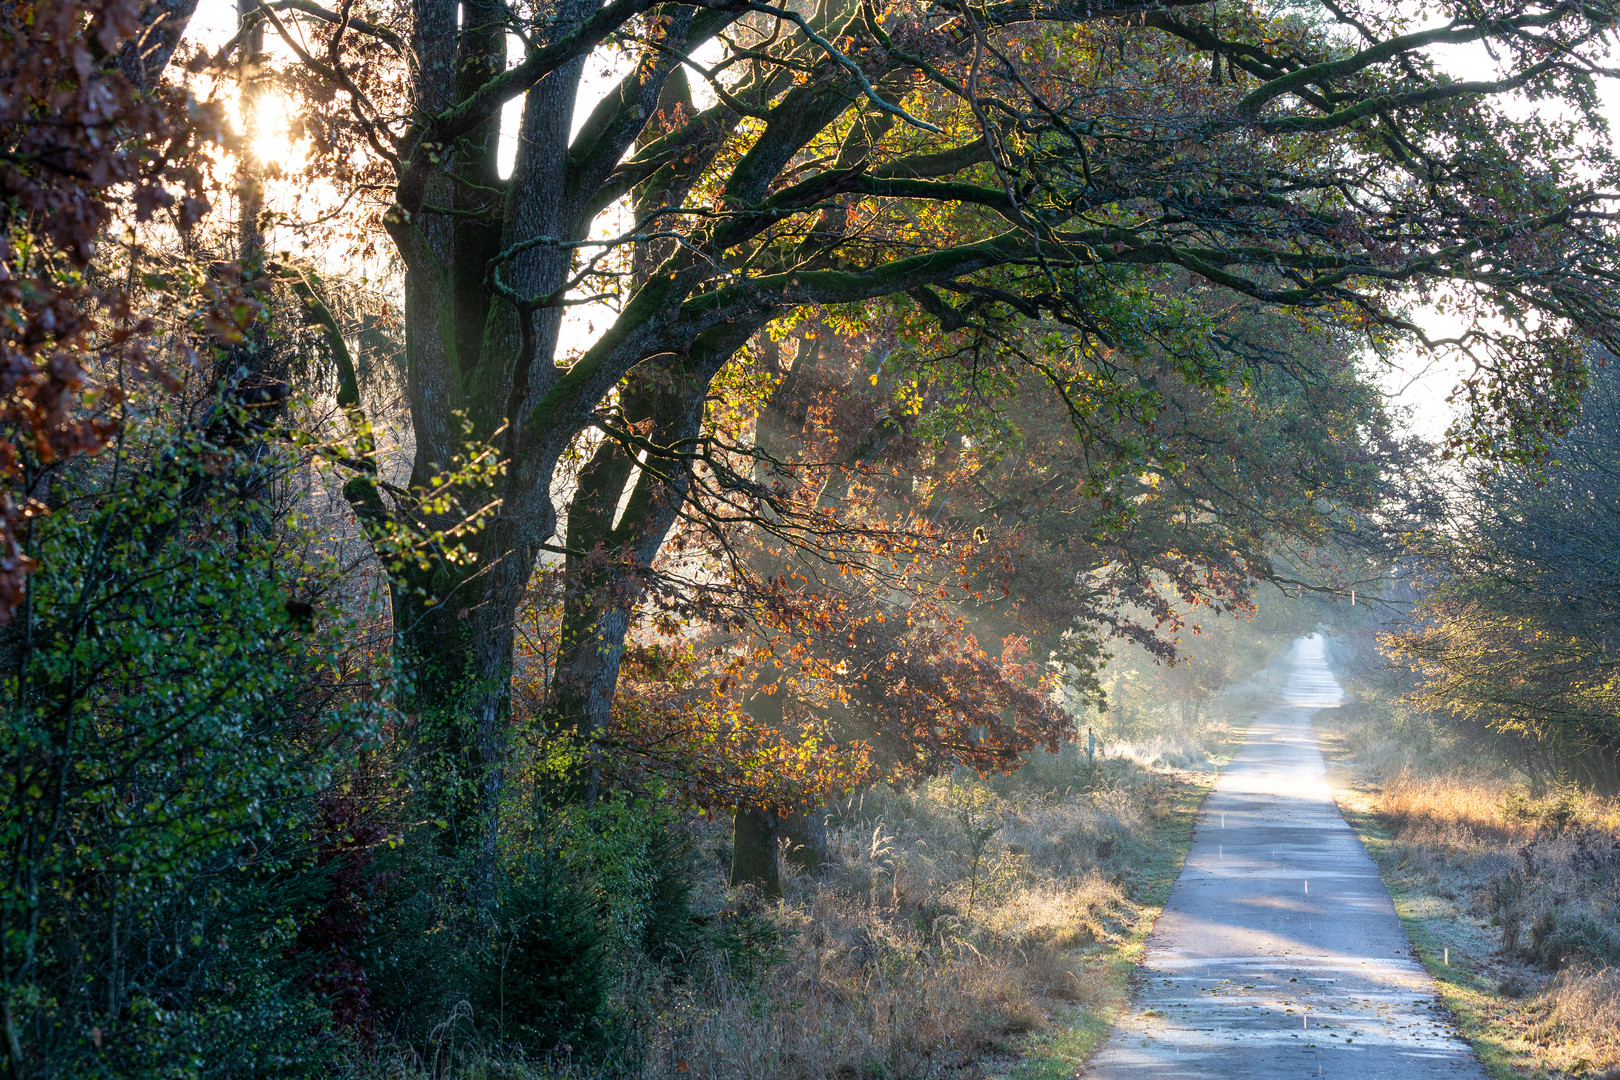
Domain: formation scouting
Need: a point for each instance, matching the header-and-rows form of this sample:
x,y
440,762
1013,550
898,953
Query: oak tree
x,y
974,161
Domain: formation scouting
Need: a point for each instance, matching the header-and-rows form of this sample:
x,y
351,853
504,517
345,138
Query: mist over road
x,y
1279,953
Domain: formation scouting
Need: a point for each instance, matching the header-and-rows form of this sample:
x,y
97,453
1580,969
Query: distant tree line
x,y
1516,638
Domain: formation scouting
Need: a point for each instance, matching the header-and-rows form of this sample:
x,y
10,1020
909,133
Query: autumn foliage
x,y
80,148
396,578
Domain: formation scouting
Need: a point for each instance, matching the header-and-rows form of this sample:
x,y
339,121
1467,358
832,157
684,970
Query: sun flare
x,y
267,123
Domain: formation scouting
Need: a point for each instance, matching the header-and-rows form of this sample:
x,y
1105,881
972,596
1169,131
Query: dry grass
x,y
946,919
1581,1007
1494,806
1545,870
1534,879
864,996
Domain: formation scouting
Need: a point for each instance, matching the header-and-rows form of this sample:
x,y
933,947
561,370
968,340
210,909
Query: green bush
x,y
420,954
547,977
166,720
1553,813
669,933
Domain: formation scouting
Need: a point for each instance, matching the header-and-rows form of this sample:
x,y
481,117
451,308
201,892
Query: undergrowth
x,y
946,922
1517,884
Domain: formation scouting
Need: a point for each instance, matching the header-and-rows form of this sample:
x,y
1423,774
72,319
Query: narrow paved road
x,y
1279,953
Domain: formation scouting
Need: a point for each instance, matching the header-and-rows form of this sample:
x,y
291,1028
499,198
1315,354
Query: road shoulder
x,y
1063,1047
1458,949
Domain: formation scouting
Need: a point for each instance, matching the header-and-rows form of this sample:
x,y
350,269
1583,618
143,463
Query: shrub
x,y
418,960
669,932
1558,905
167,720
547,978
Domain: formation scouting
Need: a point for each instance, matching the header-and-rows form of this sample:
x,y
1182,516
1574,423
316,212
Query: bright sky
x,y
1419,382
1412,381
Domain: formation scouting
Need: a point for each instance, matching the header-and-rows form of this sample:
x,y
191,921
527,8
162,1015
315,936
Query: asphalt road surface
x,y
1279,953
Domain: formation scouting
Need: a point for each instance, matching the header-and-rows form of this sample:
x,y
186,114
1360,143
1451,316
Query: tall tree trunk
x,y
779,431
474,357
758,834
608,561
145,56
610,553
249,170
433,651
753,850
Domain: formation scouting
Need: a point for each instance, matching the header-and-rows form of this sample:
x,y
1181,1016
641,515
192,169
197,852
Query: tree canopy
x,y
823,396
954,171
1514,640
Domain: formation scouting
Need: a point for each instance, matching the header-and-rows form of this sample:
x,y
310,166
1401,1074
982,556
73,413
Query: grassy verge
x,y
1459,951
1057,1051
1493,889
